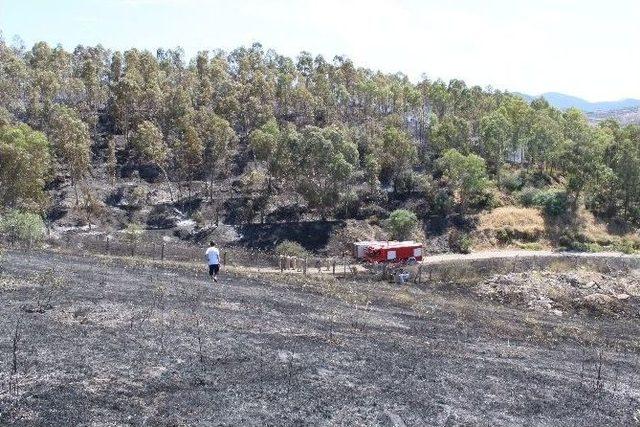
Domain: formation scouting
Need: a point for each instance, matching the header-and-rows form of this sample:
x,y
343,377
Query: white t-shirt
x,y
213,255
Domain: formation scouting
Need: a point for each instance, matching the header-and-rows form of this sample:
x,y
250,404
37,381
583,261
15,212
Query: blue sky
x,y
584,48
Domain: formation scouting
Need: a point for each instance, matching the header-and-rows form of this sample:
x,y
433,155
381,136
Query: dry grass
x,y
510,225
525,220
594,230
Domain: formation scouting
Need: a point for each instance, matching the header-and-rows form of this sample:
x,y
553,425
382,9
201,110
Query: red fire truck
x,y
388,251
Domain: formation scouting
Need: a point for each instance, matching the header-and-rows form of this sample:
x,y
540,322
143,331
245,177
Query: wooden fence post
x,y
108,246
419,275
224,259
333,265
281,264
162,251
304,267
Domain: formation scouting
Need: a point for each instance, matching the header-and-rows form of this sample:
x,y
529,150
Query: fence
x,y
459,270
160,249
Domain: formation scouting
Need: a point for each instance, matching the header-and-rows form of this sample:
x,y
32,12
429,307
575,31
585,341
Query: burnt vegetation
x,y
93,137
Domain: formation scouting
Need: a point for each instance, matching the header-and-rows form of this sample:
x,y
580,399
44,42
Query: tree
x,y
401,224
580,154
324,160
466,174
450,132
133,235
219,140
25,166
545,136
372,171
263,141
148,146
495,134
21,226
112,160
624,161
396,153
189,154
72,143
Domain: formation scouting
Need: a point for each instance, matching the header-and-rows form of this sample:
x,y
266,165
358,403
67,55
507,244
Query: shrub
x,y
553,202
512,181
289,248
528,196
373,212
594,247
504,235
198,217
22,227
531,246
348,205
442,203
401,224
459,242
626,246
133,235
574,241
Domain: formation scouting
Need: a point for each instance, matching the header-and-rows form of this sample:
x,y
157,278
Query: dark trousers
x,y
213,269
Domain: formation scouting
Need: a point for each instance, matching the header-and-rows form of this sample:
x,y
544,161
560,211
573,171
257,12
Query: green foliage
x,y
148,145
574,241
467,174
495,133
580,154
553,202
511,180
626,246
72,143
459,242
315,126
289,248
264,140
25,164
528,195
530,246
24,227
401,224
133,233
324,160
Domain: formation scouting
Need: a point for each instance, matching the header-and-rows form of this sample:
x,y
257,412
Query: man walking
x,y
213,258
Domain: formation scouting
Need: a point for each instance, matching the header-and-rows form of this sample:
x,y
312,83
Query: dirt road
x,y
118,343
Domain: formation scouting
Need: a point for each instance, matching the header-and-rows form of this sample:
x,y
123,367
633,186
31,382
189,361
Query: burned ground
x,y
108,341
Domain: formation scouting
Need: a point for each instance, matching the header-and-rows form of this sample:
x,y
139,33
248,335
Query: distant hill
x,y
625,116
562,102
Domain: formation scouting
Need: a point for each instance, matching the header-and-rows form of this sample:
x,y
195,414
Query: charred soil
x,y
86,340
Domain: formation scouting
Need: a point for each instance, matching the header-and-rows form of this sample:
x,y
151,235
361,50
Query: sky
x,y
583,48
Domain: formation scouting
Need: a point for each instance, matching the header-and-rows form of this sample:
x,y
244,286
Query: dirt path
x,y
134,344
509,254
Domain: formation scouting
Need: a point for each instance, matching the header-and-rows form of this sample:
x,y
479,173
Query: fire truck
x,y
392,252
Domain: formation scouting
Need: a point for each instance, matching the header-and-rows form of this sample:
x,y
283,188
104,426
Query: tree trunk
x,y
75,190
166,178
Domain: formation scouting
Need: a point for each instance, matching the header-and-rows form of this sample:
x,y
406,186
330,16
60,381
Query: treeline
x,y
336,134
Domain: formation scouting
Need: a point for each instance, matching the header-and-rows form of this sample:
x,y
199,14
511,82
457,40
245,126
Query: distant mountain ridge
x,y
563,101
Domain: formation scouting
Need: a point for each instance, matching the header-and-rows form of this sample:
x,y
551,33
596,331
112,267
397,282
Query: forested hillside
x,y
251,135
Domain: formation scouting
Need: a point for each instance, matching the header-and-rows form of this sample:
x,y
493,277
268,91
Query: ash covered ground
x,y
97,341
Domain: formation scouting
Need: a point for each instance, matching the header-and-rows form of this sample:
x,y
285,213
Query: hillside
x,y
562,102
626,116
320,152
